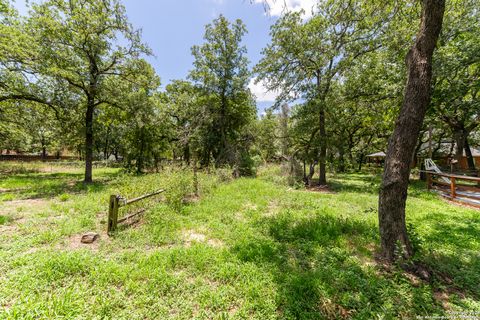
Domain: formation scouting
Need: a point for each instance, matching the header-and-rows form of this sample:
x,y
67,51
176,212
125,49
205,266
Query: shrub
x,y
246,165
5,219
179,185
224,174
294,173
64,197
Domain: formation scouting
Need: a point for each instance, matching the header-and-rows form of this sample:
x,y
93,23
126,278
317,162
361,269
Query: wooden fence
x,y
455,190
116,202
31,158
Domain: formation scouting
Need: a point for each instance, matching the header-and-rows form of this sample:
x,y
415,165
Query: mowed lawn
x,y
251,248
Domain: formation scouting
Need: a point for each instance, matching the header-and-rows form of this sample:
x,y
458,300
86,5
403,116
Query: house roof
x,y
475,152
380,154
444,149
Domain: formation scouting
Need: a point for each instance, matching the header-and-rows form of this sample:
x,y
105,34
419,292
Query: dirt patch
x,y
414,280
250,206
20,212
24,206
367,258
8,230
191,199
321,189
443,298
74,242
3,190
333,310
191,236
216,243
272,209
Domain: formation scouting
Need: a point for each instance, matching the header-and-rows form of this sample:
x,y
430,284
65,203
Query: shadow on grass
x,y
323,270
356,183
48,185
370,184
459,264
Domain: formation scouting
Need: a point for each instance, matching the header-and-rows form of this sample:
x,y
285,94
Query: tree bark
x,y
284,129
89,141
393,192
468,153
186,154
341,158
310,174
360,162
459,140
322,91
105,148
223,157
322,159
140,157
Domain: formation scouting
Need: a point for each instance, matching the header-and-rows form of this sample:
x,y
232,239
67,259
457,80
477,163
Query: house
x,y
377,158
444,152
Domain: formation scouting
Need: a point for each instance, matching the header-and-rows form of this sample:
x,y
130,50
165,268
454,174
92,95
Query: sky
x,y
172,27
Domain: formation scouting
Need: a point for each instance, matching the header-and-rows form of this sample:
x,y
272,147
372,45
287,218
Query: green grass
x,y
250,248
34,180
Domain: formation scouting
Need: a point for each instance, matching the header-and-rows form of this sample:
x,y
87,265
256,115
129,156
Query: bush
x,y
246,165
294,172
64,197
224,174
179,186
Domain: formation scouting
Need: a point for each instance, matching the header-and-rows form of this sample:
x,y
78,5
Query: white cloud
x,y
277,7
261,93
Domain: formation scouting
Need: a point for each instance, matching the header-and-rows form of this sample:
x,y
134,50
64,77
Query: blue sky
x,y
171,27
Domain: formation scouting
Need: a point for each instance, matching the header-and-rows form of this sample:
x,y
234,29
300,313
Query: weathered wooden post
x,y
429,181
452,187
112,214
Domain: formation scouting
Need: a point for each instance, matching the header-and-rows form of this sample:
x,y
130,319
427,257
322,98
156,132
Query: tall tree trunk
x,y
322,159
89,141
341,158
284,129
305,172
105,148
322,91
140,159
468,153
310,174
360,162
44,147
393,192
186,154
223,157
459,140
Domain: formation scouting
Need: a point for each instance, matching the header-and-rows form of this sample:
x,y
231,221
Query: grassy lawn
x,y
249,248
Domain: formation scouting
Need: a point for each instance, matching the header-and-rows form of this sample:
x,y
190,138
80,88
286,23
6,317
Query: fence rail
x,y
27,157
466,193
117,201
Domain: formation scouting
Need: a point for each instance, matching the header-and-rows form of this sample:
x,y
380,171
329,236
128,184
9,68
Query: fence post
x,y
452,187
112,214
429,181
